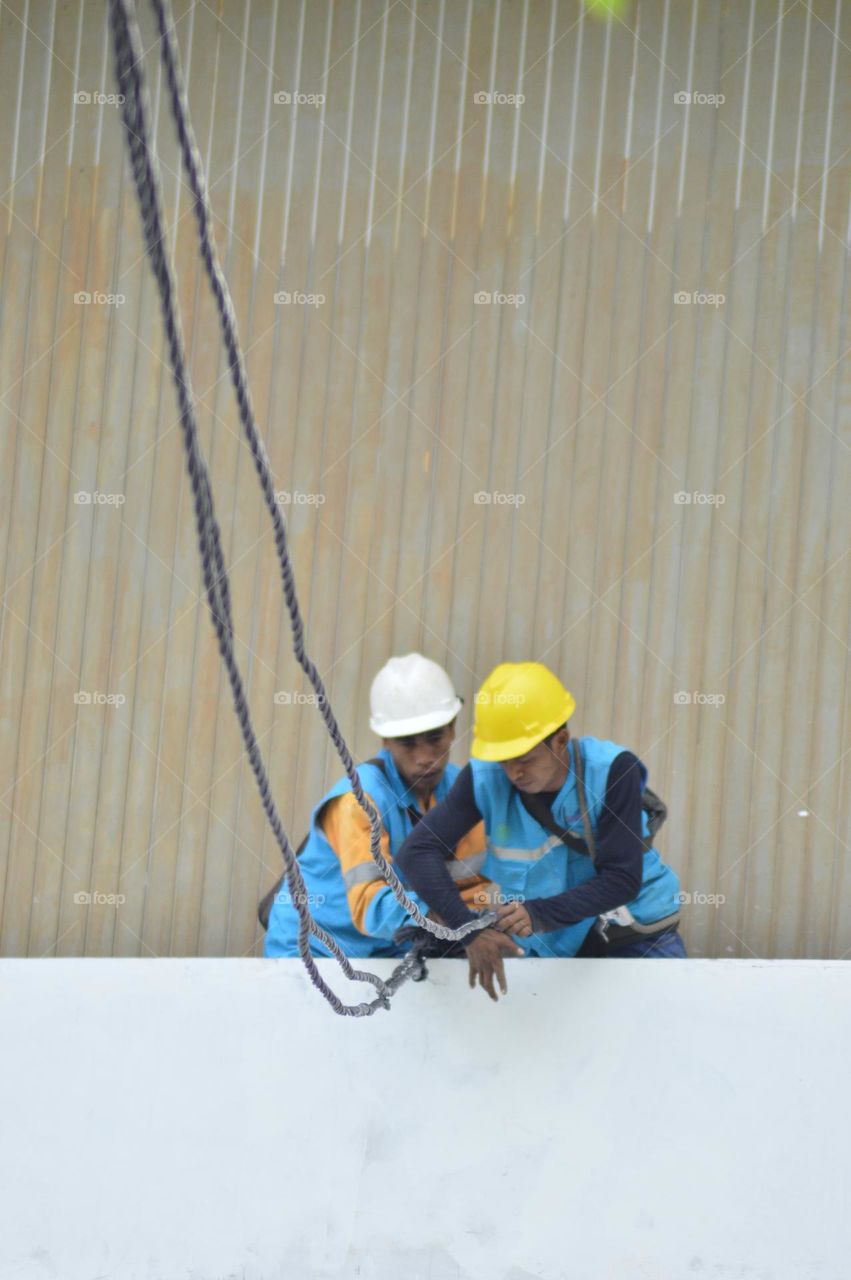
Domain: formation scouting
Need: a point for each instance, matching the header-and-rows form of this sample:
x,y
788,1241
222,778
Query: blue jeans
x,y
665,946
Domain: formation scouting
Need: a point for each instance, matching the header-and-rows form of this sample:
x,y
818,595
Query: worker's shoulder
x,y
482,768
615,767
450,773
485,773
604,750
343,817
347,802
371,773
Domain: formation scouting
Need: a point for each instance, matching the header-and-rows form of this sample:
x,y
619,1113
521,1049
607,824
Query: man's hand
x,y
485,954
514,918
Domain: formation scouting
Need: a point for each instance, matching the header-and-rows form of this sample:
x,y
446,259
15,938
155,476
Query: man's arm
x,y
620,858
373,907
422,859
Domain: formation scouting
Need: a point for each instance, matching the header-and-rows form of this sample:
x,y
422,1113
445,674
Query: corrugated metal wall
x,y
665,284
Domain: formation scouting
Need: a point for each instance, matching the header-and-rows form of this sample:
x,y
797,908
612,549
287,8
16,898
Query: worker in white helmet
x,y
413,708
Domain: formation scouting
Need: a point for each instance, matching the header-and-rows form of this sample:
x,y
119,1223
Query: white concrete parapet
x,y
213,1120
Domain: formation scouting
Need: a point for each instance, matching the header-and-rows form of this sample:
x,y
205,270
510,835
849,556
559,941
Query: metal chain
x,y
127,47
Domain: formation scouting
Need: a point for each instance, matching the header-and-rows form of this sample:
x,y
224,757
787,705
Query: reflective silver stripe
x,y
363,873
504,852
459,869
465,868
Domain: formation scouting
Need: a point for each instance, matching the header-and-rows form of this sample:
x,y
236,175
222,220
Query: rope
x,y
128,52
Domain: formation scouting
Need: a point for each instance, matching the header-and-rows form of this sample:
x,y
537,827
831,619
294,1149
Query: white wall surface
x,y
213,1120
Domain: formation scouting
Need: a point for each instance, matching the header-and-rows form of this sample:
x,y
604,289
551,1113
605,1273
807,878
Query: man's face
x,y
541,769
422,757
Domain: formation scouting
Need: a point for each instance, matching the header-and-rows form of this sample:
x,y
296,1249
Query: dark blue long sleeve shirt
x,y
618,865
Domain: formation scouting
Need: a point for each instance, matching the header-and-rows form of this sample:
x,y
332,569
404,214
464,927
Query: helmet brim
x,y
428,721
497,752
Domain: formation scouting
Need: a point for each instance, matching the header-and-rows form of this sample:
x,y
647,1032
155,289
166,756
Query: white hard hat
x,y
411,695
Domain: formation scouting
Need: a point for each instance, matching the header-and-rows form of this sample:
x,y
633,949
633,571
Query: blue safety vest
x,y
323,875
527,861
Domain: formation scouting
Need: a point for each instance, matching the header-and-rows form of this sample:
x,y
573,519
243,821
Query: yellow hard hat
x,y
519,705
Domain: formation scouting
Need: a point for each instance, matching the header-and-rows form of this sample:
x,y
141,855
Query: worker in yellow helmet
x,y
568,826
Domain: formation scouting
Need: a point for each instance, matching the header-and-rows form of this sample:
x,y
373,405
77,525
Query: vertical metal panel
x,y
368,163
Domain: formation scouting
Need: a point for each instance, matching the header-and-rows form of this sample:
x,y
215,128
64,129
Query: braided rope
x,y
127,47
